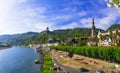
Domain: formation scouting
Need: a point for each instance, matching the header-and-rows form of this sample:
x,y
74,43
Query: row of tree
x,y
106,53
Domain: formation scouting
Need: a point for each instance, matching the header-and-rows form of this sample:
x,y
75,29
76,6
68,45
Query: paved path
x,y
66,69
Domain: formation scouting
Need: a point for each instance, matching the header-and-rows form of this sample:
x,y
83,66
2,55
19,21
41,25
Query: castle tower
x,y
48,30
93,28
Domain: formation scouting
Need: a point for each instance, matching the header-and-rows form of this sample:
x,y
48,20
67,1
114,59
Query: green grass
x,y
48,64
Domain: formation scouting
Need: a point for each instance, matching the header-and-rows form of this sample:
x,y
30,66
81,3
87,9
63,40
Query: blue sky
x,y
18,16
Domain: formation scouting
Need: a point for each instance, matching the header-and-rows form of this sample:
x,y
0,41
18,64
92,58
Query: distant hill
x,y
4,38
114,27
19,39
58,35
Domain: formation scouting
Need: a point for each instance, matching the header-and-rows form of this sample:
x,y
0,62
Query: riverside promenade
x,y
78,62
65,69
66,65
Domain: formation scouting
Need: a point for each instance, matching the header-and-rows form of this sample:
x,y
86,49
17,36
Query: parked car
x,y
83,70
99,71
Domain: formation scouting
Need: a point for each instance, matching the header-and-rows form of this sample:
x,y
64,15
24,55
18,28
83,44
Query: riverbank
x,y
48,64
1,48
78,61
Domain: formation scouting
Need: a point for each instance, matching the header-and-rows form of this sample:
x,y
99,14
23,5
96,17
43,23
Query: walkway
x,y
66,69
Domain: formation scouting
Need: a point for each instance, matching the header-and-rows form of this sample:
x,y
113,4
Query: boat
x,y
38,61
38,50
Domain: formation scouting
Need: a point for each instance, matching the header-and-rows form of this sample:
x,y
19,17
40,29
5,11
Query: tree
x,y
70,54
115,3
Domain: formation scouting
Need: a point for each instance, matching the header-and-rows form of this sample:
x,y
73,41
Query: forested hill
x,y
58,35
19,39
50,36
114,27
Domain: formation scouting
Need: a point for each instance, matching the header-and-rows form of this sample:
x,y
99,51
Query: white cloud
x,y
18,17
71,25
34,12
22,1
106,0
77,2
86,22
65,17
6,8
110,15
41,26
82,13
62,17
38,25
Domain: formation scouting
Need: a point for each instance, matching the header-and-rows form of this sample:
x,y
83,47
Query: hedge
x,y
110,53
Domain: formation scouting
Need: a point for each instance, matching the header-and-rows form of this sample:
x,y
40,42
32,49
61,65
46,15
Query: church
x,y
102,38
93,39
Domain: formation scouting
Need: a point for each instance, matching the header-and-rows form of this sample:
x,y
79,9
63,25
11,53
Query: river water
x,y
18,60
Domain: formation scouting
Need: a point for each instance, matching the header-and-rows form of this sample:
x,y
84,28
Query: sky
x,y
19,16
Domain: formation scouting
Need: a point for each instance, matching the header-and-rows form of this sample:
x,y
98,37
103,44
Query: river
x,y
18,60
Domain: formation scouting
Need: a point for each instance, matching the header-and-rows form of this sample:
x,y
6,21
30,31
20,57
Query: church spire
x,y
93,24
93,28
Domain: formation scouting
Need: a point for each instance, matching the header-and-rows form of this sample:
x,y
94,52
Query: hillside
x,y
58,35
46,36
19,39
80,32
4,38
53,36
114,27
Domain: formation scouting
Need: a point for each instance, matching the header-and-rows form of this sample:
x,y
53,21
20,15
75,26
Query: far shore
x,y
1,48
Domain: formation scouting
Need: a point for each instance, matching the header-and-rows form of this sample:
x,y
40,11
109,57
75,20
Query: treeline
x,y
105,53
114,27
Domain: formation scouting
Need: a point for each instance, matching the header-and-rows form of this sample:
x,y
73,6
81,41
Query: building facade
x,y
108,38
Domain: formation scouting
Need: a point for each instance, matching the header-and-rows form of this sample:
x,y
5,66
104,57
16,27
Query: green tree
x,y
115,3
70,54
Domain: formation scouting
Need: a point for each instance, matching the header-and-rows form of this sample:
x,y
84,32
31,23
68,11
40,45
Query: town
x,y
97,53
97,38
